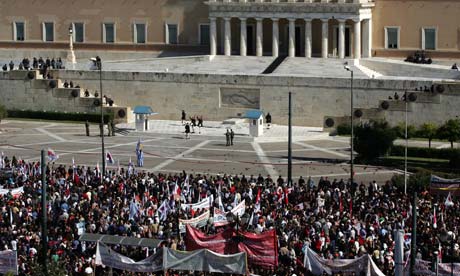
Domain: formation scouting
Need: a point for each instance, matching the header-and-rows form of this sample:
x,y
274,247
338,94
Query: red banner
x,y
261,249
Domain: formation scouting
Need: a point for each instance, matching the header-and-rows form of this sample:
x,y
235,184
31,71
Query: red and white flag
x,y
435,224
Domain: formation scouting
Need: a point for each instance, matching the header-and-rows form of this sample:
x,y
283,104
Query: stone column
x,y
275,38
291,37
357,39
227,37
367,38
213,36
259,38
325,37
308,38
243,37
341,38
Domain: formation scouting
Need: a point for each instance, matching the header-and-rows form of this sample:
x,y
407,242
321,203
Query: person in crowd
x,y
86,93
11,65
4,67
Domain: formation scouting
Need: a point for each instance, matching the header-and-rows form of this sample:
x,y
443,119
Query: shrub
x,y
59,116
416,182
373,139
400,130
3,112
344,129
424,152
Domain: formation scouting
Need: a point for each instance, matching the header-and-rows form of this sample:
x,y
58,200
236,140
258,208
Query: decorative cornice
x,y
285,7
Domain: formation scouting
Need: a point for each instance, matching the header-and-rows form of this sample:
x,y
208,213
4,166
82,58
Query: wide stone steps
x,y
64,99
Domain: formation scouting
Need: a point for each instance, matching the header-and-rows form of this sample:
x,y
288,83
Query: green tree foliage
x,y
373,140
429,131
450,131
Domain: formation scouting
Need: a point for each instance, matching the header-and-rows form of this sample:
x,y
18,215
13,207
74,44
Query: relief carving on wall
x,y
240,98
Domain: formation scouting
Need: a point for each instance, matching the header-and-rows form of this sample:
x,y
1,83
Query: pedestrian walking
x,y
187,131
101,129
193,123
232,134
87,127
227,138
183,117
200,123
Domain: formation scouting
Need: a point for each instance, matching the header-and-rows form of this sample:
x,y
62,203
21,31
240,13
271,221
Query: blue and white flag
x,y
52,156
109,158
130,167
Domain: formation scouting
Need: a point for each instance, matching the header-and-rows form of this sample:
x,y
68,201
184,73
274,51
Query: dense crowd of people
x,y
335,218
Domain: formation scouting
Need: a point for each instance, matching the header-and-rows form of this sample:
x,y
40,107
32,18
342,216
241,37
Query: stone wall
x,y
218,97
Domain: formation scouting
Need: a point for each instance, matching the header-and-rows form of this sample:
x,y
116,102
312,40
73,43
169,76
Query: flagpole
x,y
44,216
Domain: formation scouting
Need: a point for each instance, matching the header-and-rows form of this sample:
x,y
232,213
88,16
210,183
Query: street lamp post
x,y
351,119
405,137
98,63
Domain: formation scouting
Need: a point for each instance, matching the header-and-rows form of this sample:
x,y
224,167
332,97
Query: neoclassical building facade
x,y
304,28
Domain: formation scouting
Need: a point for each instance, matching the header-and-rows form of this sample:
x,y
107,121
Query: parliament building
x,y
301,28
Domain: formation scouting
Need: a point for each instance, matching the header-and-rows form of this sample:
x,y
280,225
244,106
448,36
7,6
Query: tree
x,y
450,131
373,139
429,131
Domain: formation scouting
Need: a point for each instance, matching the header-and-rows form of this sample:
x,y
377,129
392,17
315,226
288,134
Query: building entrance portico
x,y
325,28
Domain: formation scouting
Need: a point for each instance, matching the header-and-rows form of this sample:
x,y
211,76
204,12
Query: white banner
x,y
108,257
17,192
196,222
165,258
204,204
317,265
220,218
8,262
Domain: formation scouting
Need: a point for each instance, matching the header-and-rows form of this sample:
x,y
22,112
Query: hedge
x,y
59,116
425,152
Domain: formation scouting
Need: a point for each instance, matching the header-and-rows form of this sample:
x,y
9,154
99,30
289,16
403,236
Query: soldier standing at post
x,y
232,134
87,127
101,129
227,138
112,125
109,129
268,120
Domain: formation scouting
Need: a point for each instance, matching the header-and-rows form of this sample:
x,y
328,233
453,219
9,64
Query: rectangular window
x,y
19,31
140,32
429,38
204,34
109,32
78,32
48,31
171,34
392,37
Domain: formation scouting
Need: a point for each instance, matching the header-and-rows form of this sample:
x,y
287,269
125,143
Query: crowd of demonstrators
x,y
336,219
44,65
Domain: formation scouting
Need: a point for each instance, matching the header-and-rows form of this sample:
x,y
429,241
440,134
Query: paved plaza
x,y
166,150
